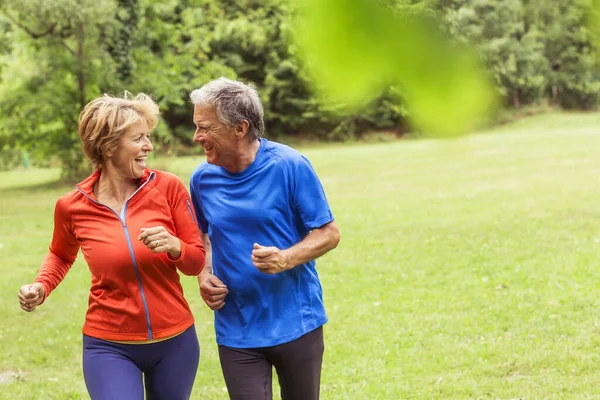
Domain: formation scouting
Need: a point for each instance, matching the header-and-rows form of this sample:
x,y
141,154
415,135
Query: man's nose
x,y
197,137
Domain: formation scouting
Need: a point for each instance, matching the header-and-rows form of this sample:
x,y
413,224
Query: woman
x,y
135,228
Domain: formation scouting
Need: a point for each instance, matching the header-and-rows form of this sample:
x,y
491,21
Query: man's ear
x,y
242,129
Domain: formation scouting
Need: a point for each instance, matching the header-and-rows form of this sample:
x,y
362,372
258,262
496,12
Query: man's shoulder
x,y
199,170
282,152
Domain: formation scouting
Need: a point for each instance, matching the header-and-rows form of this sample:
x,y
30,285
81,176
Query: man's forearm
x,y
208,268
314,245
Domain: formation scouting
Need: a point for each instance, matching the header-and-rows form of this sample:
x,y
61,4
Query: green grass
x,y
467,270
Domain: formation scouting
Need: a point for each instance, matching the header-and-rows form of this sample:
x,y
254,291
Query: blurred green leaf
x,y
355,49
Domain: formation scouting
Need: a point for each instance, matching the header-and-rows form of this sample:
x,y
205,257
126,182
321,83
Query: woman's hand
x,y
31,296
159,240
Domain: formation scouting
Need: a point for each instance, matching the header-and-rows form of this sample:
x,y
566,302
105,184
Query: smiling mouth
x,y
141,161
208,149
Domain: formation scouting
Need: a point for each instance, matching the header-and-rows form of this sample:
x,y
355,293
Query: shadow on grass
x,y
37,187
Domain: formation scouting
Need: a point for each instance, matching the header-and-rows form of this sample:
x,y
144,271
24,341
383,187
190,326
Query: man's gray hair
x,y
234,102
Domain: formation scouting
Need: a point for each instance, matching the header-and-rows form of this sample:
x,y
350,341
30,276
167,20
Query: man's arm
x,y
272,260
212,289
206,241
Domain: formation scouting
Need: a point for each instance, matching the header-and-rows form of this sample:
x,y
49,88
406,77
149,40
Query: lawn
x,y
468,269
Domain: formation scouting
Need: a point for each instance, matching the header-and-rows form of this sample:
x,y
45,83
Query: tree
x,y
56,65
512,49
120,45
574,80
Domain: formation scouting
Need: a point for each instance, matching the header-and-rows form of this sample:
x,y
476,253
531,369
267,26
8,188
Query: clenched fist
x,y
31,296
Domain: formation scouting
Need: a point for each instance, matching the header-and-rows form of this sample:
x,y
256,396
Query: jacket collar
x,y
86,186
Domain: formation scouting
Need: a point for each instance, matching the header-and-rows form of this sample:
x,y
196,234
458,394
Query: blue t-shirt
x,y
276,201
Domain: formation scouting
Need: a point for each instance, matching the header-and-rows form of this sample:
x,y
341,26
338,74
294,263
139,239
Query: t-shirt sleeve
x,y
308,196
195,195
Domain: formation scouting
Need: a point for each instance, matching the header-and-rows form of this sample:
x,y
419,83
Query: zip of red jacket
x,y
136,294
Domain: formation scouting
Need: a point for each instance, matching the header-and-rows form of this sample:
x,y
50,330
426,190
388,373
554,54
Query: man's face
x,y
218,140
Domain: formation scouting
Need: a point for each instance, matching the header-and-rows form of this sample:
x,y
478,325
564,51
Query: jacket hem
x,y
125,337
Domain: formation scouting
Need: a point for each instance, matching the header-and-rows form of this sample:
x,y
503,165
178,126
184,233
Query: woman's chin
x,y
138,171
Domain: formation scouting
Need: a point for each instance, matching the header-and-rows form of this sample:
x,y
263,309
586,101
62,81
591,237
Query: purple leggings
x,y
113,371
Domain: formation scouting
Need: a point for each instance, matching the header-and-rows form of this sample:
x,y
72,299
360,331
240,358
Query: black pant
x,y
248,372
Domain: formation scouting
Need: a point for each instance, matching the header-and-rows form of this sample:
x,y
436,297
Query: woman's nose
x,y
148,145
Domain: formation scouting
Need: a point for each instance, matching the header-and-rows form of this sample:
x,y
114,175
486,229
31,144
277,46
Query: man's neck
x,y
246,156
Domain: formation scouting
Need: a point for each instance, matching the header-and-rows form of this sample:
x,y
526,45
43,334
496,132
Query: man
x,y
265,219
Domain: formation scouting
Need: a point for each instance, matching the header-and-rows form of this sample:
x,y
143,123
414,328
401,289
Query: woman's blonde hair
x,y
104,120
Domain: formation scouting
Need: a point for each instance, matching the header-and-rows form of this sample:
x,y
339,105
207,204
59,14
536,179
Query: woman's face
x,y
129,158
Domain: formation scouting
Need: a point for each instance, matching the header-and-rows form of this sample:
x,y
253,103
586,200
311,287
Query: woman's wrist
x,y
175,253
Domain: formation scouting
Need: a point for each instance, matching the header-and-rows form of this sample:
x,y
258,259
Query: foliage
x,y
57,64
535,50
575,75
351,68
368,49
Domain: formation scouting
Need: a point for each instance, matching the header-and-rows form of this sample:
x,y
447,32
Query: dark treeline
x,y
55,56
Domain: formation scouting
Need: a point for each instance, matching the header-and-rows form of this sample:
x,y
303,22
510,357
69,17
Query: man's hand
x,y
270,260
31,296
212,290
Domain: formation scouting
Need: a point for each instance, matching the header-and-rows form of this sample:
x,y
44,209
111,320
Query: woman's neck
x,y
114,187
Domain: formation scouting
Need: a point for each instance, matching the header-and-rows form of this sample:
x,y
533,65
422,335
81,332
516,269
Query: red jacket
x,y
135,293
